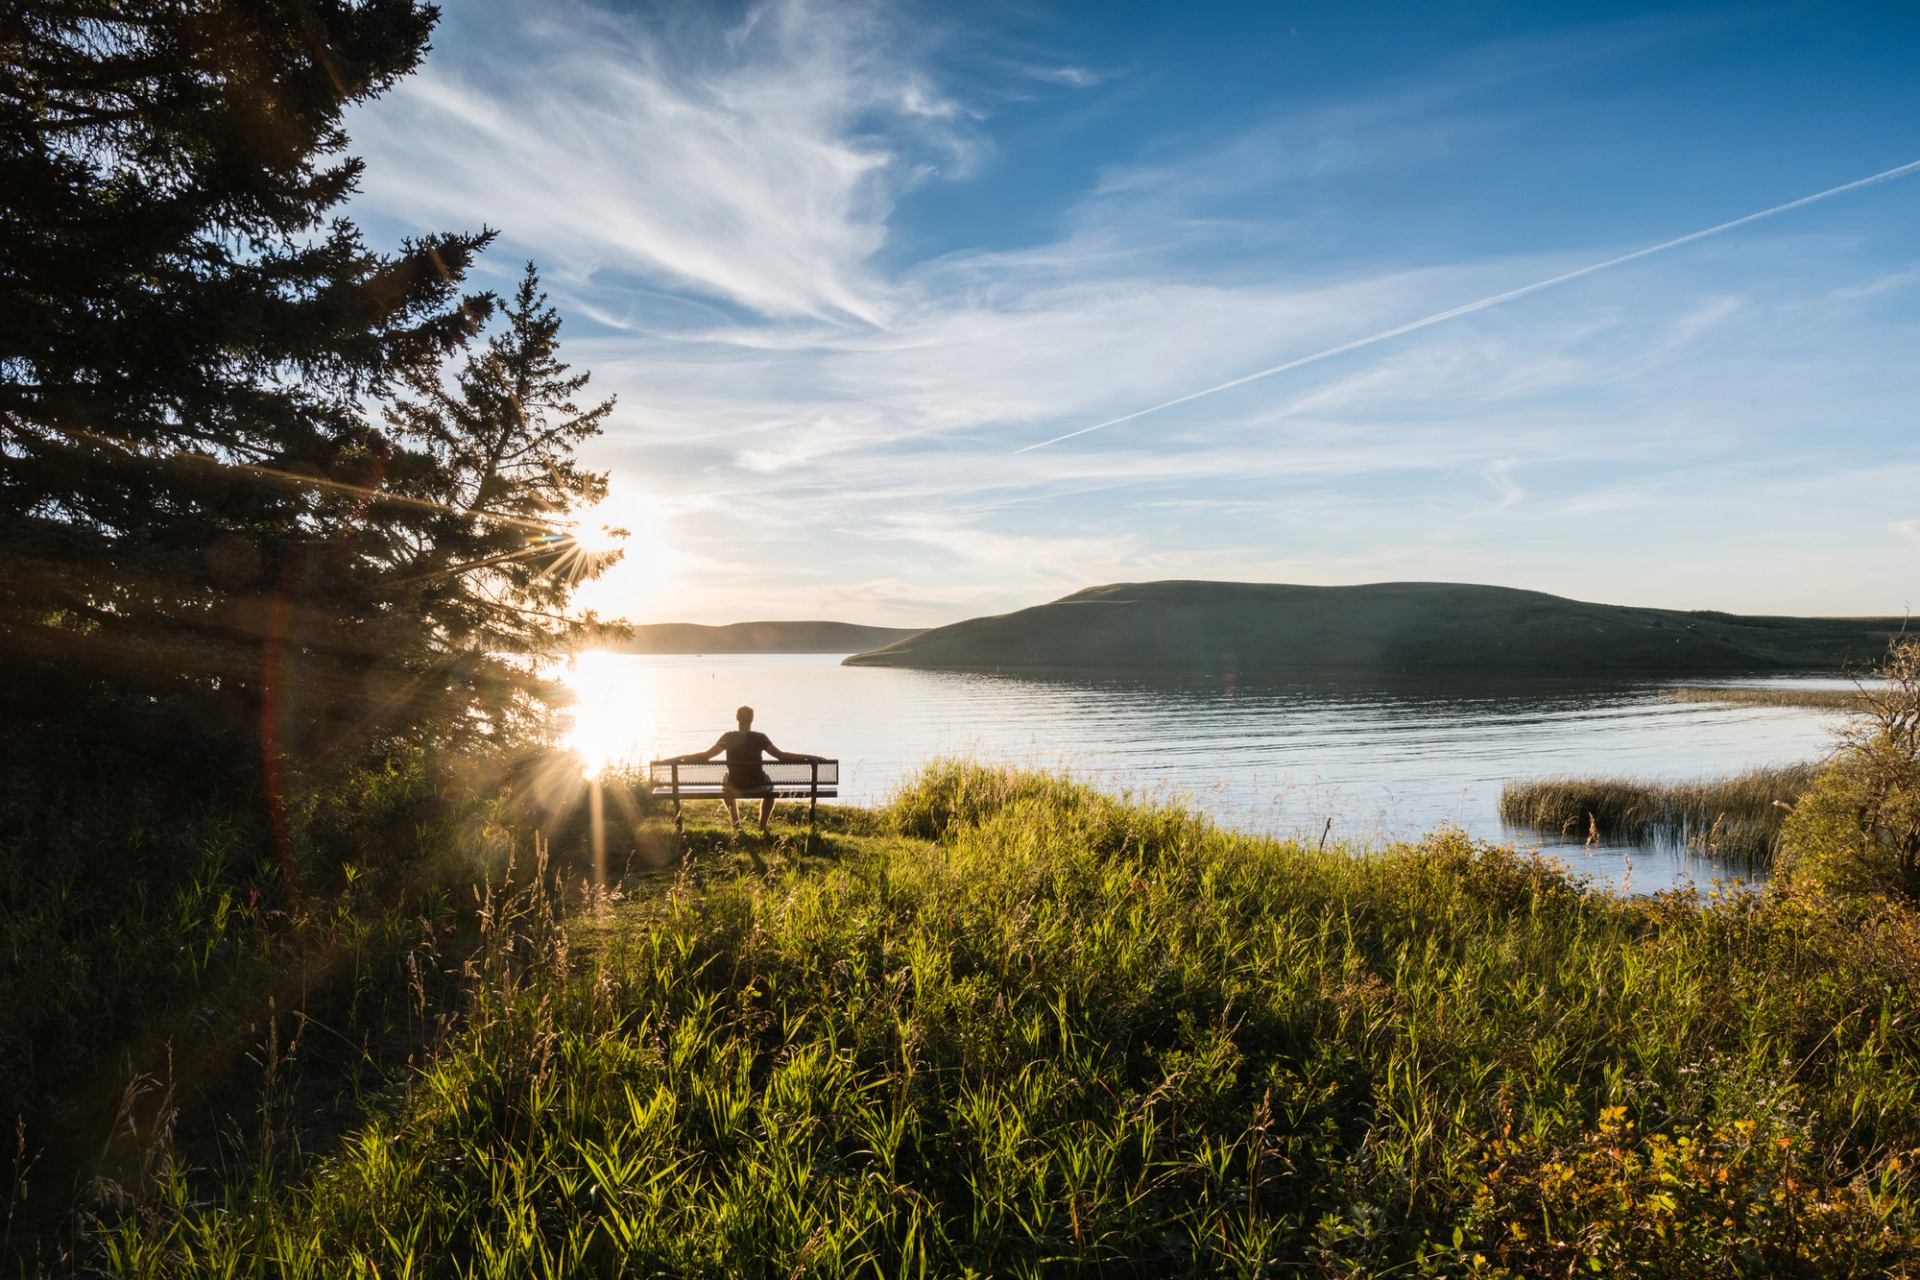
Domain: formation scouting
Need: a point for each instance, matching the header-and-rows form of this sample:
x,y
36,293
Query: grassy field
x,y
1737,817
1010,1027
1404,629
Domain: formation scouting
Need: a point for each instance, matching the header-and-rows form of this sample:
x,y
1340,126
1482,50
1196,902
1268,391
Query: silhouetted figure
x,y
746,776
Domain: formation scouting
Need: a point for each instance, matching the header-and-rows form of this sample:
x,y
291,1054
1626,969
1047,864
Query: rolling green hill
x,y
1412,628
761,637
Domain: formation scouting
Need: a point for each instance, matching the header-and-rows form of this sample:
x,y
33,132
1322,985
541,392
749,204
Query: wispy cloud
x,y
1885,283
1499,474
1069,74
756,162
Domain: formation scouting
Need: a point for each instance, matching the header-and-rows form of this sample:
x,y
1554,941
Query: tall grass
x,y
1015,1028
1737,817
157,979
1814,699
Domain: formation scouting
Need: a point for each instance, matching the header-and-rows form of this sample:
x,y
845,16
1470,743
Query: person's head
x,y
745,716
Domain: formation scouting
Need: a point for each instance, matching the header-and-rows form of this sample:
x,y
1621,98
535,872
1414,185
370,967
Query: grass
x,y
1737,818
1815,699
1011,1027
157,976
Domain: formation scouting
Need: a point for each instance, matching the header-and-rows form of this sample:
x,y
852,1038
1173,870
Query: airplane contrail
x,y
1885,175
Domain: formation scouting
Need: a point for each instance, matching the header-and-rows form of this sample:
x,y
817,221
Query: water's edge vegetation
x,y
1737,818
1779,696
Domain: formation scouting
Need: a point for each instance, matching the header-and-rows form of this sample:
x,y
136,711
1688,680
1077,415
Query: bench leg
x,y
679,828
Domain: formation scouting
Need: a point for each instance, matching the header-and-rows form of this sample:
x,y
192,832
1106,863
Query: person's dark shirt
x,y
744,749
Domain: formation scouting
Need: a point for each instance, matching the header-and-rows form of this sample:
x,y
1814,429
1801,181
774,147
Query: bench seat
x,y
707,780
815,780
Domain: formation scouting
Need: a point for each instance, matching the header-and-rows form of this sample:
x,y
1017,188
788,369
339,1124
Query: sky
x,y
854,269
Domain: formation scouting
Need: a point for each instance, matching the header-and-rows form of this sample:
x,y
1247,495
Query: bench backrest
x,y
713,773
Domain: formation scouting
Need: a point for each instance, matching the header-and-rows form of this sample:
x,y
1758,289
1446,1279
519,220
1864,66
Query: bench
x,y
707,781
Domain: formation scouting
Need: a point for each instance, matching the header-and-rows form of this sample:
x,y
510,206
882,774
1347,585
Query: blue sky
x,y
843,261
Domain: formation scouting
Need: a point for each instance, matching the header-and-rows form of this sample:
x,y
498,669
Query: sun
x,y
634,523
595,535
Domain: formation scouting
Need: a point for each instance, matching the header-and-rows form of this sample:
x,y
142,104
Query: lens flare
x,y
596,537
640,585
612,723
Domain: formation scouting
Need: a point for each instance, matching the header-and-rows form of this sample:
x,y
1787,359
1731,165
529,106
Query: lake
x,y
1382,763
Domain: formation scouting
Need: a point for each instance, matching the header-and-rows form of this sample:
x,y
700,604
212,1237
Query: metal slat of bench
x,y
713,773
714,791
706,780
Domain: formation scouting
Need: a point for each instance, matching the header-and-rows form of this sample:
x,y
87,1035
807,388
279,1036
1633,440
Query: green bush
x,y
1856,831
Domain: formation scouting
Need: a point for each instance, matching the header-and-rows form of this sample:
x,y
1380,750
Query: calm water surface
x,y
1380,763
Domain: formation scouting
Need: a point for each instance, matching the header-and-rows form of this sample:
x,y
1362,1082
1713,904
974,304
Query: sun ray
x,y
611,718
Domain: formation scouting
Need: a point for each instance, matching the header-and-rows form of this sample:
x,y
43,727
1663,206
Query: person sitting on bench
x,y
745,774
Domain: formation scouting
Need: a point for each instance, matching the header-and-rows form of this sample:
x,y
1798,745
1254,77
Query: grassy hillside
x,y
1397,627
1010,1027
761,637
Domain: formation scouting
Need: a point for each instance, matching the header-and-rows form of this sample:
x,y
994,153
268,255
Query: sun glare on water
x,y
612,722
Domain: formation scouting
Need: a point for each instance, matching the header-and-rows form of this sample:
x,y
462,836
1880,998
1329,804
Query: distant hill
x,y
761,637
1412,628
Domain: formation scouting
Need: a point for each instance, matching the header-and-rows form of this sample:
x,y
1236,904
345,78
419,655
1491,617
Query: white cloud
x,y
756,163
1499,474
1074,77
1883,283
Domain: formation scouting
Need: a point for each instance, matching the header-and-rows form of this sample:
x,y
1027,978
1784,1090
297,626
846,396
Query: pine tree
x,y
200,517
493,452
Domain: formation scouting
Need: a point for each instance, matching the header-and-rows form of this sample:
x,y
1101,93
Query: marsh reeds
x,y
1781,696
1736,818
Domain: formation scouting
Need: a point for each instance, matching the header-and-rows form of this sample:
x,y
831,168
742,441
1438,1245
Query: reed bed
x,y
1737,818
1014,1028
1814,699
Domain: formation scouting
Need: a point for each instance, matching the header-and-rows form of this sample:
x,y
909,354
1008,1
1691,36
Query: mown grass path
x,y
1011,1027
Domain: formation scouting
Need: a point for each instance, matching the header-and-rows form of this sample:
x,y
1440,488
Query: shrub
x,y
1857,829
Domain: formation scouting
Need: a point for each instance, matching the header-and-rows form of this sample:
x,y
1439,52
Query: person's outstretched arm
x,y
699,757
791,757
